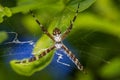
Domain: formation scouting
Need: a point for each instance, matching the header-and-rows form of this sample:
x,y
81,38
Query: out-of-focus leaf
x,y
4,11
108,9
84,4
112,69
32,28
3,36
81,76
25,6
96,23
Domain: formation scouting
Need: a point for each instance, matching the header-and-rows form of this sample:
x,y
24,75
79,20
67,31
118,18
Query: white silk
x,y
58,45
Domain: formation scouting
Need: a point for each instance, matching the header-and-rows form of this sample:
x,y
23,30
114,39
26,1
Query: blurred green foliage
x,y
95,35
4,11
3,36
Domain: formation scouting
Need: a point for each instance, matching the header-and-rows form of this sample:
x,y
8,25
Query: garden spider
x,y
57,37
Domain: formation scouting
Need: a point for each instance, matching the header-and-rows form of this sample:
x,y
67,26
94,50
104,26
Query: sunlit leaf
x,y
28,69
4,11
107,8
88,76
3,36
84,4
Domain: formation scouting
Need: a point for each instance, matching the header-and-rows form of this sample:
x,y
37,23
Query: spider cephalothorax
x,y
57,37
56,31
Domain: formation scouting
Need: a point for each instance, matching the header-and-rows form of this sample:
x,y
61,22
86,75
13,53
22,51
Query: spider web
x,y
60,59
61,64
83,39
60,56
31,43
16,48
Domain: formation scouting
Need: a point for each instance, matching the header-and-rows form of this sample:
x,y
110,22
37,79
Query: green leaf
x,y
108,9
112,69
81,76
4,11
3,36
25,6
28,69
84,4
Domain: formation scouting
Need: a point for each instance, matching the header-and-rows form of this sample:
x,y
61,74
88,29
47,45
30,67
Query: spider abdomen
x,y
57,38
58,45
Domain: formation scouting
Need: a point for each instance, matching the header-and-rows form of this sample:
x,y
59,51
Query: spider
x,y
57,38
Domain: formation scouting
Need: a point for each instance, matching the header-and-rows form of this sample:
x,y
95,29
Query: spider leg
x,y
71,24
73,58
34,58
42,27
